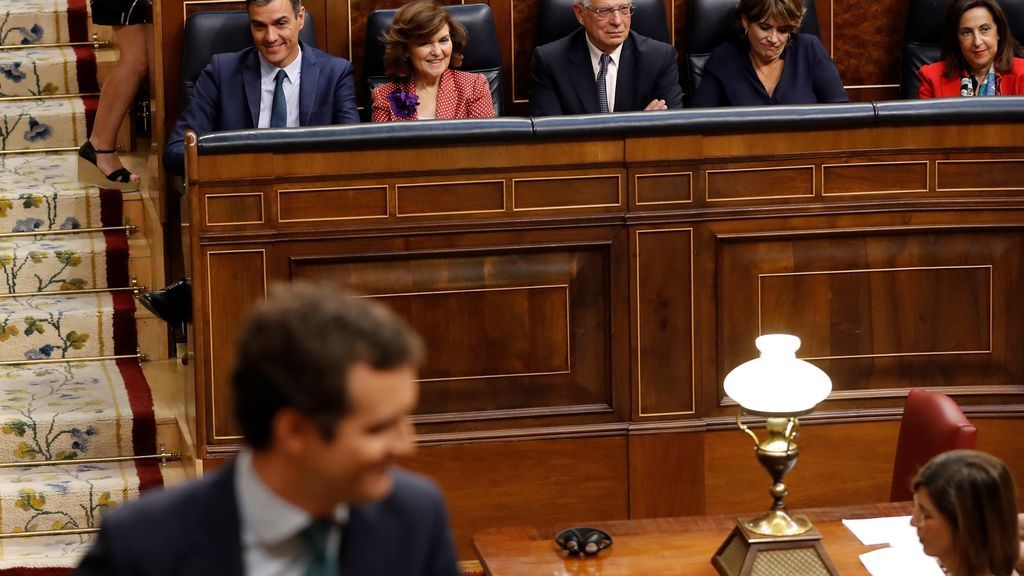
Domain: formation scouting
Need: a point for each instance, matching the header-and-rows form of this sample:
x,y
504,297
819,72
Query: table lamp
x,y
779,387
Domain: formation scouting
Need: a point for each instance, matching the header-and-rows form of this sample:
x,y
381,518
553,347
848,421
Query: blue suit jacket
x,y
194,531
227,97
564,83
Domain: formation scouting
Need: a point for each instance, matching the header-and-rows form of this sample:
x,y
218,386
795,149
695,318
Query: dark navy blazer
x,y
564,83
227,97
808,77
194,531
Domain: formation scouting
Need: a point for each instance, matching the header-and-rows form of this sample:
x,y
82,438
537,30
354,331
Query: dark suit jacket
x,y
227,97
935,85
564,83
808,77
194,531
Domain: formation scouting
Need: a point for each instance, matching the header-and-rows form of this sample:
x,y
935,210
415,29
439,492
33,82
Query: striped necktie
x,y
279,106
602,86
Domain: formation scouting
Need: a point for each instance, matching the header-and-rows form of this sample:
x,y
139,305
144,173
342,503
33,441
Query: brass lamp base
x,y
746,552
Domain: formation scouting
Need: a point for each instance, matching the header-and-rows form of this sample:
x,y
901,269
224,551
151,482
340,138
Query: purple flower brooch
x,y
403,103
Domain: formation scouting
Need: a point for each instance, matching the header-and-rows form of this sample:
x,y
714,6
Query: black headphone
x,y
583,540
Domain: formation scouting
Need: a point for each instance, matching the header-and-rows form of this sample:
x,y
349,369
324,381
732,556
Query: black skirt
x,y
121,12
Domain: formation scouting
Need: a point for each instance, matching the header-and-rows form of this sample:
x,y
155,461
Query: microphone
x,y
967,86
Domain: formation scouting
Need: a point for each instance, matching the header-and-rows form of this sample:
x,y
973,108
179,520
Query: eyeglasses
x,y
606,13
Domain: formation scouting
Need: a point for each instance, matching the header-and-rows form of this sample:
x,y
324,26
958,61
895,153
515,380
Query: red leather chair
x,y
932,423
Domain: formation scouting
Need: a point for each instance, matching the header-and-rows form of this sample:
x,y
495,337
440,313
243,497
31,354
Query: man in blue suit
x,y
323,390
240,90
604,67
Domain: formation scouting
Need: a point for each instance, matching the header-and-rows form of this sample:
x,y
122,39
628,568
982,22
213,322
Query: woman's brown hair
x,y
784,12
414,24
974,492
953,56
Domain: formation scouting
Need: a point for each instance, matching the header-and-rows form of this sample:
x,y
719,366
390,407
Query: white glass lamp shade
x,y
778,383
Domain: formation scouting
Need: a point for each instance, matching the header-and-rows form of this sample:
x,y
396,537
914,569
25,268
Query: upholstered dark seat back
x,y
713,22
922,38
482,53
209,33
932,423
556,19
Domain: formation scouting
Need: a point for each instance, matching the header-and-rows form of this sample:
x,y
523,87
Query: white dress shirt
x,y
268,74
270,525
610,75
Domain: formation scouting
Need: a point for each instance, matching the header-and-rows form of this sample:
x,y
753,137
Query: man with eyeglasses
x,y
603,67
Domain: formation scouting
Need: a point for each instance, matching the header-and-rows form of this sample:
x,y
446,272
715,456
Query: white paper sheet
x,y
900,561
874,531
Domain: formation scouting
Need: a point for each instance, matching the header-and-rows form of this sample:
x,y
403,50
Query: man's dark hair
x,y
296,351
296,4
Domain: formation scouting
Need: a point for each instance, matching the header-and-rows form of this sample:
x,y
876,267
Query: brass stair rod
x,y
68,532
139,357
135,289
130,228
95,44
163,457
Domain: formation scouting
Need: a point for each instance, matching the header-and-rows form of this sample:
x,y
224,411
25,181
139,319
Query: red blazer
x,y
459,95
935,85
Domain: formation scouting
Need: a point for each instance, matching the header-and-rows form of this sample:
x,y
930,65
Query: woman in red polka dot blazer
x,y
422,42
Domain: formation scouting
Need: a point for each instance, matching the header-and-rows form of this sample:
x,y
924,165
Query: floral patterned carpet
x,y
71,389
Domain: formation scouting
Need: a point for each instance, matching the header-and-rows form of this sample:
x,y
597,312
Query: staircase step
x,y
68,496
43,22
67,261
42,124
66,326
51,70
75,410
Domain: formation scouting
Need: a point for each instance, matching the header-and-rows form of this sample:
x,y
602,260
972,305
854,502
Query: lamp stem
x,y
778,454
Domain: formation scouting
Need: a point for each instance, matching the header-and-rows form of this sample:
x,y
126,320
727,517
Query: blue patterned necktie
x,y
279,106
315,535
602,86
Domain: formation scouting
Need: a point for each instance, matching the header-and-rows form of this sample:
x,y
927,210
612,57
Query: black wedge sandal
x,y
90,173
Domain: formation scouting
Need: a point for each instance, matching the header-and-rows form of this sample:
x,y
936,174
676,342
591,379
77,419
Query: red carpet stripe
x,y
117,259
141,400
78,21
111,207
85,64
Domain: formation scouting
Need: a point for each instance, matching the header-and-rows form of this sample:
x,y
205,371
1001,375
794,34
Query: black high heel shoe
x,y
90,173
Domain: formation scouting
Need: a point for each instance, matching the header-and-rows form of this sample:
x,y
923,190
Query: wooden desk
x,y
678,546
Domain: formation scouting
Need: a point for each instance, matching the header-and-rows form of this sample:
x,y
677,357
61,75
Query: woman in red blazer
x,y
423,41
977,54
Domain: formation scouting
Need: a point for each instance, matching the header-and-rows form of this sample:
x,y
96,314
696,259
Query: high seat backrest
x,y
217,32
711,23
556,19
481,55
922,37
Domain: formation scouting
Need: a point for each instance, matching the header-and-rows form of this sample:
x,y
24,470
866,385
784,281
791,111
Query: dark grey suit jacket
x,y
564,83
194,531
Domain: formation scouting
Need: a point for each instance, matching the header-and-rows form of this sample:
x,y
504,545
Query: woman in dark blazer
x,y
770,63
423,41
978,51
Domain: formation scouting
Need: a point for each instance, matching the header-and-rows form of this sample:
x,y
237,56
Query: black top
x,y
808,77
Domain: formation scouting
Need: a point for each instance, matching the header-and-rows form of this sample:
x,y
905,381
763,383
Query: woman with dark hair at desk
x,y
965,512
978,54
770,63
424,39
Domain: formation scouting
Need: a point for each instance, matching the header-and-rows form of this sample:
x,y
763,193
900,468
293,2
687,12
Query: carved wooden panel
x,y
662,189
332,203
533,482
437,198
561,192
879,312
236,280
509,330
874,177
665,369
765,182
224,209
980,174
